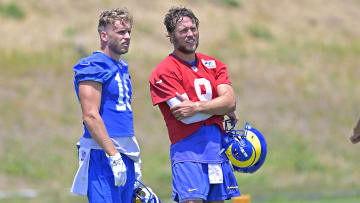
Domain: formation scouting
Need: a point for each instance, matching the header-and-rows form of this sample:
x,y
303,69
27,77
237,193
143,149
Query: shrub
x,y
12,10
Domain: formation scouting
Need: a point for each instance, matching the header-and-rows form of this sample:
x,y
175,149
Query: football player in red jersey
x,y
193,92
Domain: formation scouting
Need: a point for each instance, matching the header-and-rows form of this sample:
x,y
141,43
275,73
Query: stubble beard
x,y
118,48
184,49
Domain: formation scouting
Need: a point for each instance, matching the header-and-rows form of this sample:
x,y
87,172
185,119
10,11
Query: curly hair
x,y
175,15
109,17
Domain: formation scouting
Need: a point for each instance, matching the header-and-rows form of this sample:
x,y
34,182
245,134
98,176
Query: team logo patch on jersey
x,y
194,68
83,155
209,64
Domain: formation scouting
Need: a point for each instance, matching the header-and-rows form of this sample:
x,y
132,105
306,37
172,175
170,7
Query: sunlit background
x,y
294,65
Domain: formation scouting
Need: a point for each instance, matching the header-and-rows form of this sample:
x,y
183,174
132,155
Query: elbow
x,y
231,102
232,106
89,117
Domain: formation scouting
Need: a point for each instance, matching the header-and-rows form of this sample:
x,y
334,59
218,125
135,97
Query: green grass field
x,y
294,66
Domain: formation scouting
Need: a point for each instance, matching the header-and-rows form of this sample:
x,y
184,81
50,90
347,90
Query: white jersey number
x,y
202,82
124,98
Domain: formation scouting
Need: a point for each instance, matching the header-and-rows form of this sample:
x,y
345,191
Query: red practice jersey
x,y
199,82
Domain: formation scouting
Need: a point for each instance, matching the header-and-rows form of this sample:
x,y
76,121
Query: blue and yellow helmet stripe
x,y
246,149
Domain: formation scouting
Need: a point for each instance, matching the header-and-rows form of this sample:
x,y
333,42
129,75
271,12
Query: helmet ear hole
x,y
246,149
144,194
141,193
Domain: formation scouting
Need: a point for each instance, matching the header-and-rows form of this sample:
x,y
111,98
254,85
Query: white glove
x,y
138,175
119,169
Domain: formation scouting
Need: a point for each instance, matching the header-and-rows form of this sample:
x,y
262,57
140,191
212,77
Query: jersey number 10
x,y
124,97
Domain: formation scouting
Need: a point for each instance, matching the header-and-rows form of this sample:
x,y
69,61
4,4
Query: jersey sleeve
x,y
90,71
222,76
164,83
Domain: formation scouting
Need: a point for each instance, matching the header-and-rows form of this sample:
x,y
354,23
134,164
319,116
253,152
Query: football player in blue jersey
x,y
109,155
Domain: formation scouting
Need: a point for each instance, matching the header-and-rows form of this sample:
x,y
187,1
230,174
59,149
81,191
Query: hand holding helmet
x,y
246,149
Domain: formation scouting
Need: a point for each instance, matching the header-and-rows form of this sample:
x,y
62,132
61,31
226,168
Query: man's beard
x,y
117,48
184,49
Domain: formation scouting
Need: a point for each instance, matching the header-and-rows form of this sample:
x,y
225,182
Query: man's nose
x,y
190,33
127,35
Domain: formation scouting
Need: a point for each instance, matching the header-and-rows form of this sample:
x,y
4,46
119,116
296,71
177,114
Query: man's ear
x,y
170,37
103,36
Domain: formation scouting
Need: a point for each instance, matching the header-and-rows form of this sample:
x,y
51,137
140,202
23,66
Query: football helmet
x,y
246,149
143,194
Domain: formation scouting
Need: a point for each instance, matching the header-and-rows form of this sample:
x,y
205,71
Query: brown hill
x,y
293,64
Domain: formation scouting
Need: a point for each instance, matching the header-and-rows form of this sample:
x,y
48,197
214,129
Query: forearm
x,y
98,132
196,117
218,106
355,137
357,126
223,104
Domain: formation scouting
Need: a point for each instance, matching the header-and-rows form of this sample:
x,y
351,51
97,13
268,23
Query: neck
x,y
186,57
111,54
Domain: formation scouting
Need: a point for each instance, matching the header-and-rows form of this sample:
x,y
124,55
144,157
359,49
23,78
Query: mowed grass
x,y
297,83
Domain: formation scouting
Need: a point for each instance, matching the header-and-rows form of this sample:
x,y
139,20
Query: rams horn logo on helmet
x,y
246,149
143,194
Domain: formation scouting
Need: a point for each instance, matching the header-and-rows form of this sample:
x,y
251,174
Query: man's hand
x,y
233,117
185,109
119,169
355,137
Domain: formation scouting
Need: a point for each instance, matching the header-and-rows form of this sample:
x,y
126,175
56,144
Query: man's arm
x,y
355,137
224,104
192,119
90,99
233,116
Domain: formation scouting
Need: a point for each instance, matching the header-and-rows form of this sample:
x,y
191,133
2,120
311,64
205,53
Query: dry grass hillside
x,y
294,66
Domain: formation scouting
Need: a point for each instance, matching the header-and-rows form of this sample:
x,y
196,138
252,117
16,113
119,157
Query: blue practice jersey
x,y
115,108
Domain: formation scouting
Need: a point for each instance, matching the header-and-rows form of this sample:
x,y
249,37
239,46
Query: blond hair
x,y
109,17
